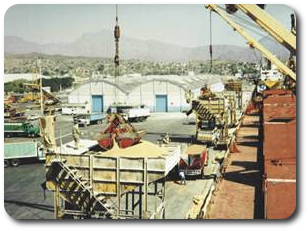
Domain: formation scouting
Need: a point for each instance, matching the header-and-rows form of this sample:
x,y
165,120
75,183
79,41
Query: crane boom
x,y
270,25
254,43
44,92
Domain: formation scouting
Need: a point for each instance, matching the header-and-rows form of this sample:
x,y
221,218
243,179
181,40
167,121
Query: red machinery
x,y
192,164
120,131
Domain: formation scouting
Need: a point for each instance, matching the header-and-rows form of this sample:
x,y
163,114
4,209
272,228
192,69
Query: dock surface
x,y
239,194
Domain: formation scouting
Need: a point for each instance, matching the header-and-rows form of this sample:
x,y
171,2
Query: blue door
x,y
97,103
161,103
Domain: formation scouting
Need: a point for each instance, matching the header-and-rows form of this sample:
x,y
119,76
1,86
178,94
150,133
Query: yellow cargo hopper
x,y
94,183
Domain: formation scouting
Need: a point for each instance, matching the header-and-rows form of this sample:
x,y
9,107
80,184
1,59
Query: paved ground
x,y
24,198
239,193
179,198
156,125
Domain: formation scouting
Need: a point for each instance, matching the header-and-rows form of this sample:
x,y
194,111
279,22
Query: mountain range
x,y
101,44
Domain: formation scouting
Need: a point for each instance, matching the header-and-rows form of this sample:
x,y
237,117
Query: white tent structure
x,y
161,93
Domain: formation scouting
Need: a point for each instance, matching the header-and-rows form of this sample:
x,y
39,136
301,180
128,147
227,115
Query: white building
x,y
159,93
271,74
26,76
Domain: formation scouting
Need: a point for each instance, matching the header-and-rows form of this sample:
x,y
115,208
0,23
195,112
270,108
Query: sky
x,y
184,25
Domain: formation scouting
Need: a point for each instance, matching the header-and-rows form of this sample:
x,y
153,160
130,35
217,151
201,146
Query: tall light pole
x,y
41,85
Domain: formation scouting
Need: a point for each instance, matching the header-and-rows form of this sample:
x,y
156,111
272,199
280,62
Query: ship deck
x,y
239,194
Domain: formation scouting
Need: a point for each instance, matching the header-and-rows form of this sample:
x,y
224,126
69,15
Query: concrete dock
x,y
239,194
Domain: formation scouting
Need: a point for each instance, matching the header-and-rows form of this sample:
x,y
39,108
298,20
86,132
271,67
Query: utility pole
x,y
41,85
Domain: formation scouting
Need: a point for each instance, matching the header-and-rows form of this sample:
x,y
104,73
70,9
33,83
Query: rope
x,y
256,56
244,22
116,57
116,14
211,47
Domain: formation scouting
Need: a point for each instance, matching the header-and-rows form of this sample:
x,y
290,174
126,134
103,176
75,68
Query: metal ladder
x,y
203,111
77,190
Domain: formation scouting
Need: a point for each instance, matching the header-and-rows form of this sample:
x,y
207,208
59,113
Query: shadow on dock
x,y
43,207
251,125
247,168
177,138
249,143
249,175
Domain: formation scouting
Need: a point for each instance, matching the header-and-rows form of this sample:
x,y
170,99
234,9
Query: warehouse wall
x,y
146,94
84,93
217,87
142,94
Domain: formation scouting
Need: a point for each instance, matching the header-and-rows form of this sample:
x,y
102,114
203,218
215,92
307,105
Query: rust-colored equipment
x,y
279,153
233,85
13,113
194,160
120,131
234,148
251,108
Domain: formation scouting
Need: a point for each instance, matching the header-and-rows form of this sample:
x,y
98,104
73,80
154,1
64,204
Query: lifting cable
x,y
210,46
242,18
251,28
116,57
117,37
247,24
258,59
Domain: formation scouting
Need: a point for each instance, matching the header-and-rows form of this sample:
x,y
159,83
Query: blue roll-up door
x,y
97,103
161,103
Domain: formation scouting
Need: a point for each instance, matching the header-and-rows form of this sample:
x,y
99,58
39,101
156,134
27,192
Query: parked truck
x,y
14,152
76,109
12,128
130,113
193,160
85,120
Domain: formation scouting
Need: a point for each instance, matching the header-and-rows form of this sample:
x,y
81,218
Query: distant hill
x,y
101,44
33,55
276,48
16,45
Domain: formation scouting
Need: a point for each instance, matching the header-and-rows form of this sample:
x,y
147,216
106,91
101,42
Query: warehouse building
x,y
25,76
100,93
159,93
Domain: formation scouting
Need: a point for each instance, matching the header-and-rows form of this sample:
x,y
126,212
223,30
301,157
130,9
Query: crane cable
x,y
242,18
117,37
247,24
210,46
116,57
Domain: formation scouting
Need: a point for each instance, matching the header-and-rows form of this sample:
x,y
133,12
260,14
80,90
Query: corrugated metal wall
x,y
85,92
141,94
146,94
